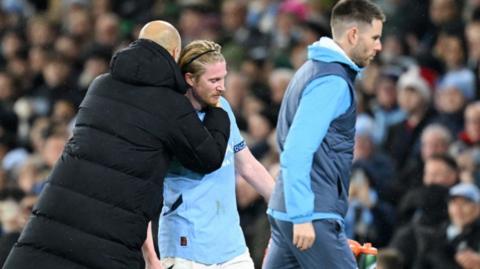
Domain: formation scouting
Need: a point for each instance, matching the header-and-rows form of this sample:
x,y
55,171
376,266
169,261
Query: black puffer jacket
x,y
94,211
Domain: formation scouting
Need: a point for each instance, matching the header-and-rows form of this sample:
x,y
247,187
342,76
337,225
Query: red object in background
x,y
358,249
430,75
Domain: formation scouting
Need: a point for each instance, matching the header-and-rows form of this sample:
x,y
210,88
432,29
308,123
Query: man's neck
x,y
343,48
340,44
195,103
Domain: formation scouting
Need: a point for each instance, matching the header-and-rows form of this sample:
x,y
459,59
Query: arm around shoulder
x,y
199,146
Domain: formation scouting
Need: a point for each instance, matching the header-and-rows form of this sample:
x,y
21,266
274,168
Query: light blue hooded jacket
x,y
315,133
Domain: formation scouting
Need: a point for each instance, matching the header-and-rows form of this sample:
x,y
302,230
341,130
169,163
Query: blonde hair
x,y
197,54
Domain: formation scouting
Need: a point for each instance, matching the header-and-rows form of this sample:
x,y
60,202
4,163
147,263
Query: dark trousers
x,y
329,251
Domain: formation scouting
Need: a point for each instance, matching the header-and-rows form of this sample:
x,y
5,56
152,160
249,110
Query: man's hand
x,y
303,235
468,259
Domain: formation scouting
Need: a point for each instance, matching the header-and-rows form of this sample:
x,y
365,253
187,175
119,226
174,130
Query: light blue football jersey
x,y
199,219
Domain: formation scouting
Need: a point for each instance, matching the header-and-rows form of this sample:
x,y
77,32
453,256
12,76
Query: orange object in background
x,y
358,249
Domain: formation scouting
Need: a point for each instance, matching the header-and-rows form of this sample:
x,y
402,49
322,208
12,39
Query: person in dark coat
x,y
105,188
457,243
423,209
414,97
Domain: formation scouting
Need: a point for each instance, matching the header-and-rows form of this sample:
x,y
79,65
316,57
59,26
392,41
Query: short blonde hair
x,y
198,53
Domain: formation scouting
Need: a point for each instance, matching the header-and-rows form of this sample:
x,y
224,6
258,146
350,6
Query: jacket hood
x,y
144,62
326,50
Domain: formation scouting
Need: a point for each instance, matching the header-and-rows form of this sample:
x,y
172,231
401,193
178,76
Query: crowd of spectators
x,y
417,152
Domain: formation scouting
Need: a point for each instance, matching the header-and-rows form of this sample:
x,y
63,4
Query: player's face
x,y
368,44
208,88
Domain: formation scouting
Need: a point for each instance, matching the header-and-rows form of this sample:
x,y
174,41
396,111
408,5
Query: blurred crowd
x,y
416,171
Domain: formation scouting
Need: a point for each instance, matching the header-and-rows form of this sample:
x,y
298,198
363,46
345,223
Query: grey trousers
x,y
329,251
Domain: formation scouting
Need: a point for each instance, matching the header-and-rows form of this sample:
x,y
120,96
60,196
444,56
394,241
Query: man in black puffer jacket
x,y
94,211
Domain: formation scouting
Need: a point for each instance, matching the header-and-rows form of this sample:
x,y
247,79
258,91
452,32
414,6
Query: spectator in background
x,y
238,86
423,209
473,40
12,219
434,140
13,157
472,33
470,136
63,112
414,97
291,13
260,126
385,109
67,46
19,69
40,31
261,14
440,170
453,94
369,218
298,56
365,86
55,139
12,43
233,20
96,63
107,31
37,59
194,21
37,133
367,156
455,244
57,85
101,7
312,30
8,91
237,37
78,24
8,125
457,86
134,10
277,83
395,52
29,174
32,170
469,165
442,13
451,49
